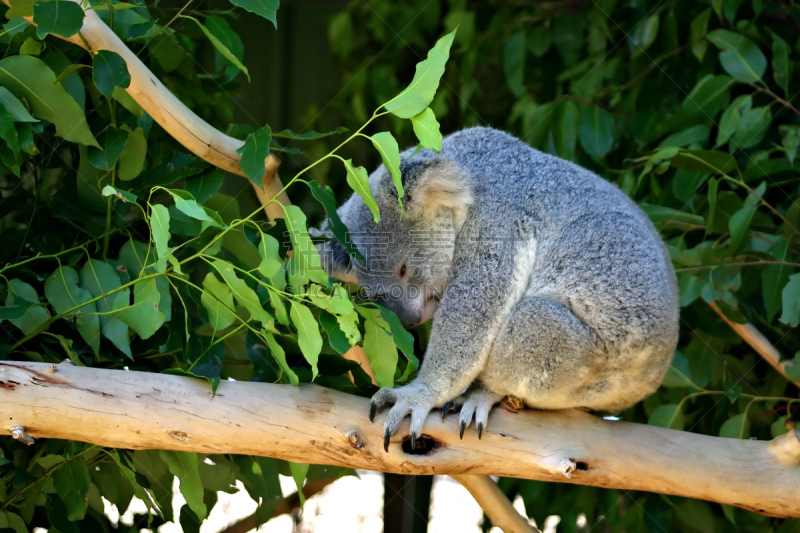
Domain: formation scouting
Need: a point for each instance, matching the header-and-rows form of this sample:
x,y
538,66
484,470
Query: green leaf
x,y
306,255
739,223
752,127
324,195
144,317
131,162
790,139
244,295
402,339
186,204
280,357
336,337
308,336
697,34
358,180
31,47
59,17
791,301
667,416
426,128
12,104
307,136
781,64
736,427
299,472
339,303
419,94
514,63
254,153
379,347
15,311
71,482
204,186
125,196
775,277
62,291
218,302
565,129
595,131
8,132
21,293
740,57
109,71
100,278
695,134
112,144
645,34
264,8
30,77
21,8
222,49
271,262
679,374
386,145
778,427
184,465
707,161
159,230
539,40
220,28
731,118
13,521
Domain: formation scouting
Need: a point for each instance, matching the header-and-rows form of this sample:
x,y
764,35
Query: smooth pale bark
x,y
312,424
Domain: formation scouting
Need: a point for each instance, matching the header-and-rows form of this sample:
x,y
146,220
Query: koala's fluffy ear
x,y
439,184
336,261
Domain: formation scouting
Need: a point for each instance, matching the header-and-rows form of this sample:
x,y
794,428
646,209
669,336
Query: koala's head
x,y
407,258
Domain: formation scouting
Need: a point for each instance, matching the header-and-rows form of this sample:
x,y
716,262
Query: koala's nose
x,y
408,317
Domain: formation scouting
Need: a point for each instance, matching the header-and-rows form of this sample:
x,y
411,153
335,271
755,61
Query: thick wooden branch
x,y
312,424
197,135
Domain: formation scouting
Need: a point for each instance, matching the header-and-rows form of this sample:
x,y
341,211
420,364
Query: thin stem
x,y
109,210
766,90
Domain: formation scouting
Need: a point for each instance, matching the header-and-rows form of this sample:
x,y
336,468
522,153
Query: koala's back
x,y
596,252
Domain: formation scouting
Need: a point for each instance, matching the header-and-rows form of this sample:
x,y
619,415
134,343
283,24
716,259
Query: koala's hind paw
x,y
476,404
410,400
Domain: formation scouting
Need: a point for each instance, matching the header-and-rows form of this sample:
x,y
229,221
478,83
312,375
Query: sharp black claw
x,y
480,430
386,438
461,430
373,410
446,409
413,441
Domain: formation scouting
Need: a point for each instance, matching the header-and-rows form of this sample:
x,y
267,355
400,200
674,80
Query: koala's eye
x,y
402,272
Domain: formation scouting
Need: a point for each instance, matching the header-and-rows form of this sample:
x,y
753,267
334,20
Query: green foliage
x,y
692,111
121,252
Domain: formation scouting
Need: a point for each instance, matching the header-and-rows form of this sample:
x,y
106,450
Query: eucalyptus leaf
x,y
308,336
419,93
109,72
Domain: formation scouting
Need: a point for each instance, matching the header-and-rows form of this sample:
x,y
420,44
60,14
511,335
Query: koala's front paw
x,y
414,399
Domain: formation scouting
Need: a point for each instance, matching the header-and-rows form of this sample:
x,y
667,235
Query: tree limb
x,y
312,424
489,496
757,341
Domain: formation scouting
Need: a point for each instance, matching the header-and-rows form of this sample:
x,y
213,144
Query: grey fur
x,y
554,286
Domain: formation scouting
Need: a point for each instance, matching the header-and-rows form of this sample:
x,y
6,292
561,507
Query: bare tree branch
x,y
757,341
312,424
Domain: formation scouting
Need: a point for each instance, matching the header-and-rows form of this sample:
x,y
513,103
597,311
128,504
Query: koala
x,y
544,281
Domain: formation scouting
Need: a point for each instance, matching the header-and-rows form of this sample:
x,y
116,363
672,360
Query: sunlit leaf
x,y
308,336
419,93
